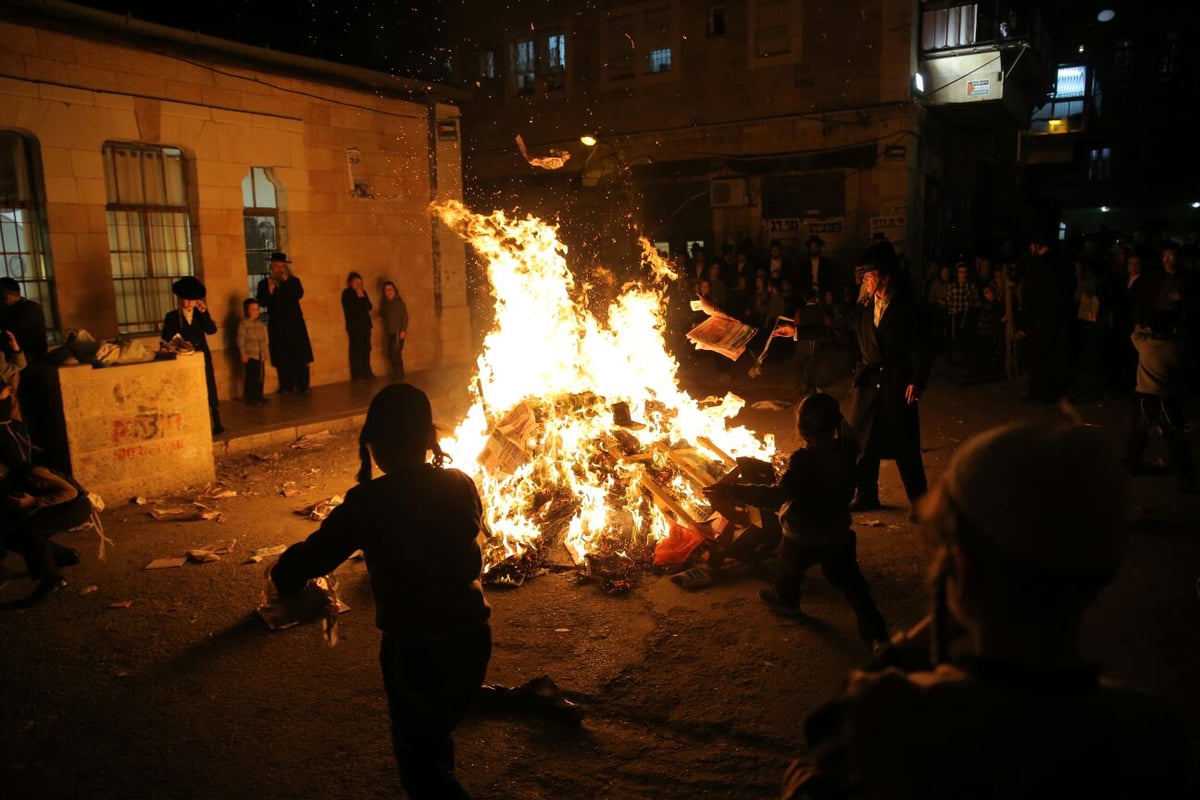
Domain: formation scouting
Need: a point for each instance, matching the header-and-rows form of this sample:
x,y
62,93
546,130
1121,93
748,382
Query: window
x,y
149,231
1100,164
1122,67
524,66
772,28
1072,82
1170,57
487,64
656,35
556,61
22,225
540,62
1067,106
619,42
260,219
640,42
716,19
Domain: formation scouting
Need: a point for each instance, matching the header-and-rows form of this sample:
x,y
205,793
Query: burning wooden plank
x,y
667,503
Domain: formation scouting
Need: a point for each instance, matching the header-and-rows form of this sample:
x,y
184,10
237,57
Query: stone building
x,y
733,121
132,153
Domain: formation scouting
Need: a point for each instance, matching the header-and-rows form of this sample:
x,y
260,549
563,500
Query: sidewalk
x,y
332,407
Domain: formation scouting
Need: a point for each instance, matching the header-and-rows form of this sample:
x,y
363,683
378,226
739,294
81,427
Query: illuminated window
x,y
556,61
1072,82
656,33
23,224
487,64
524,66
149,231
261,223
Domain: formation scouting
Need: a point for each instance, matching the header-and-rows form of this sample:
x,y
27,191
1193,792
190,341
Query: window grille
x,y
524,66
620,46
23,226
772,28
149,231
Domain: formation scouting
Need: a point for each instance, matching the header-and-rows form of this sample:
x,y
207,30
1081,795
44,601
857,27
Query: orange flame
x,y
541,430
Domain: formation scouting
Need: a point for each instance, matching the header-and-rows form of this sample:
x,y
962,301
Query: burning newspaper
x,y
722,335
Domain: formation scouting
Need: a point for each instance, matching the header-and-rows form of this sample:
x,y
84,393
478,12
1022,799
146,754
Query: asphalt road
x,y
185,694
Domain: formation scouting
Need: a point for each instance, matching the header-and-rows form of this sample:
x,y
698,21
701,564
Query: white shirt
x,y
188,312
881,304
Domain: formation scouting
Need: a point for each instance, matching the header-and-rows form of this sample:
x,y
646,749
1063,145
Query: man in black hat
x,y
194,324
291,352
888,384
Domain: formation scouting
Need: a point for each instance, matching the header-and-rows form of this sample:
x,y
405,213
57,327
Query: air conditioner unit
x,y
727,192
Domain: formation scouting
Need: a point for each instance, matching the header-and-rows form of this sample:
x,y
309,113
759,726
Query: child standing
x,y
252,344
419,527
813,502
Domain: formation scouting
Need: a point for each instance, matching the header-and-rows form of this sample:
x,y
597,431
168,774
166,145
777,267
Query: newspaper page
x,y
722,335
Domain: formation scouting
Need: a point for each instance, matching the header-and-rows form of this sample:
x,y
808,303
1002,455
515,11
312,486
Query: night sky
x,y
410,38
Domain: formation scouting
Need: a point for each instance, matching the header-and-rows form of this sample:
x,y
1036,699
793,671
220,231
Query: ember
x,y
579,432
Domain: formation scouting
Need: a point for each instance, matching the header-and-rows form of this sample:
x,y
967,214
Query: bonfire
x,y
579,437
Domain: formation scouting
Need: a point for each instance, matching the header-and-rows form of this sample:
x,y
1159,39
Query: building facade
x,y
132,154
756,121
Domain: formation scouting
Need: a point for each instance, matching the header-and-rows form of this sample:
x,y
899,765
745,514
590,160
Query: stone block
x,y
138,429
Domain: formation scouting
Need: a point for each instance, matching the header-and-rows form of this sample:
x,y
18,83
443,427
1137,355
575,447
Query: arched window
x,y
24,255
262,223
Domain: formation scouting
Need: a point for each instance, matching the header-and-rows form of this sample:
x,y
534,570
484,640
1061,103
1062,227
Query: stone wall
x,y
138,429
71,92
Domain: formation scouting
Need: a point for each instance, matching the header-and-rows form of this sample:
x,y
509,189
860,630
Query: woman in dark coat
x,y
887,386
356,308
193,322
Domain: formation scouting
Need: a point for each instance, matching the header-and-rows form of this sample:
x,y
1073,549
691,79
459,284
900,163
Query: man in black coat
x,y
194,324
887,385
291,352
1047,302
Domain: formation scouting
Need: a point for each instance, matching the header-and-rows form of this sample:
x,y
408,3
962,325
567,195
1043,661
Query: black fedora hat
x,y
815,239
188,288
277,256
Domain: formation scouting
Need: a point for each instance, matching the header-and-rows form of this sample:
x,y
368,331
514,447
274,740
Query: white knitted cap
x,y
1053,493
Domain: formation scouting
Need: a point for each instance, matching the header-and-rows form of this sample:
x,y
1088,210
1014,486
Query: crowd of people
x,y
1083,318
988,696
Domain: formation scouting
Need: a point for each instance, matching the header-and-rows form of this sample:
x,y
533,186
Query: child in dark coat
x,y
419,527
813,501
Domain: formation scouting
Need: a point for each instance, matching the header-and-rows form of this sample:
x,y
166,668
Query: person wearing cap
x,y
1027,525
420,526
291,351
192,322
888,383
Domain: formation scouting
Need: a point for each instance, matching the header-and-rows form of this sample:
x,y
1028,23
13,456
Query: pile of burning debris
x,y
649,483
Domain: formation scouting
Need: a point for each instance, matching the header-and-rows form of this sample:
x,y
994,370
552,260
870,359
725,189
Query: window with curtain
x,y
555,61
149,231
23,225
657,36
260,217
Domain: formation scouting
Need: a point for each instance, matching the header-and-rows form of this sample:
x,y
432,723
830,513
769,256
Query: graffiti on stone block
x,y
149,450
146,425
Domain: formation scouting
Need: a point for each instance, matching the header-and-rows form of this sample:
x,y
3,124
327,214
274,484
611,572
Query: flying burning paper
x,y
551,463
555,160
